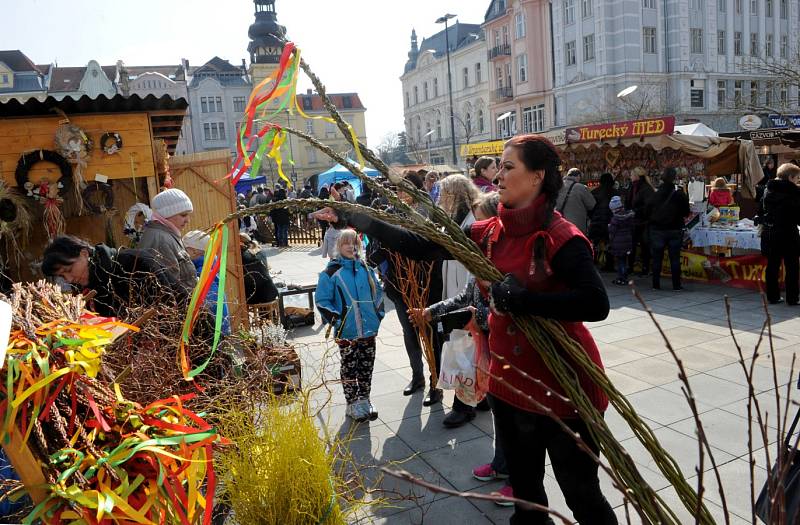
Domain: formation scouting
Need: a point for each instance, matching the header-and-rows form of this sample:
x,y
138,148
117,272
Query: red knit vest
x,y
512,252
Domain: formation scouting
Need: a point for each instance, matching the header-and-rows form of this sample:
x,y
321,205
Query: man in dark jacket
x,y
667,211
281,218
258,285
638,199
601,217
780,240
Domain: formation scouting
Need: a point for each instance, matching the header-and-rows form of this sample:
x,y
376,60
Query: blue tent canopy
x,y
246,183
340,173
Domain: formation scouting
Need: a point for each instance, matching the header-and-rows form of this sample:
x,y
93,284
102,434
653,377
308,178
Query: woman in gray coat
x,y
162,236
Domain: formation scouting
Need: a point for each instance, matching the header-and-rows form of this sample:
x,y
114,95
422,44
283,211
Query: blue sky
x,y
352,45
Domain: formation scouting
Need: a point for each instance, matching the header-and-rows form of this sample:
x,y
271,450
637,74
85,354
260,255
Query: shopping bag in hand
x,y
785,480
481,360
458,368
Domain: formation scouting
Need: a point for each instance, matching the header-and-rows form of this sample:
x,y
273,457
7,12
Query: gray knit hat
x,y
171,202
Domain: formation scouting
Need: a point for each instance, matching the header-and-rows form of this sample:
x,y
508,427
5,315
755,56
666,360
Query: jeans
x,y
526,437
412,344
672,240
622,267
282,234
640,239
786,253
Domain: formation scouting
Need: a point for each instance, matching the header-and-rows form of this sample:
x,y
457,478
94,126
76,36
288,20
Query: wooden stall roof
x,y
165,113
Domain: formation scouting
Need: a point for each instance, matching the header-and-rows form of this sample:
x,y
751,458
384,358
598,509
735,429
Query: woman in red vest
x,y
550,273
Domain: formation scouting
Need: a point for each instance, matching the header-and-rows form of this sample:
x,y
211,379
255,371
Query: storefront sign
x,y
745,271
750,122
784,121
479,149
621,130
772,136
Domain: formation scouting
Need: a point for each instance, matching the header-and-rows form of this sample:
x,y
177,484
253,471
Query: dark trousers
x,y
525,438
640,240
282,234
622,266
671,240
786,253
411,340
358,361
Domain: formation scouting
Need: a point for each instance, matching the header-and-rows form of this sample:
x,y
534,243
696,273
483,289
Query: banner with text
x,y
621,130
744,271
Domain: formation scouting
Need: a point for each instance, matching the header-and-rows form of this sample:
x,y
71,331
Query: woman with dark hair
x,y
119,278
485,173
600,217
549,273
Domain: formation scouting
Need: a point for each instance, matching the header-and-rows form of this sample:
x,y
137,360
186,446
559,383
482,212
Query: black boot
x,y
457,418
413,386
434,396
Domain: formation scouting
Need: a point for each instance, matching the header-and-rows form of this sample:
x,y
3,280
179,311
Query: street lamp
x,y
443,20
427,138
622,96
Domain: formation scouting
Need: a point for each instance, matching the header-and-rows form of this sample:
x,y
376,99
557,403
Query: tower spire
x,y
266,34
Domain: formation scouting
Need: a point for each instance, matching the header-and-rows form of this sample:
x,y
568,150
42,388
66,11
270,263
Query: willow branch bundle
x,y
556,347
413,280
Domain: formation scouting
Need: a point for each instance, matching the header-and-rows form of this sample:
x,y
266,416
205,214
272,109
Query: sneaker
x,y
351,410
363,409
487,473
372,414
506,492
356,411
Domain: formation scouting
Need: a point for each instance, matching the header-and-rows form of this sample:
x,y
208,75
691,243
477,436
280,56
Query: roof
x,y
43,68
168,71
459,35
25,83
17,61
217,65
494,10
69,78
338,100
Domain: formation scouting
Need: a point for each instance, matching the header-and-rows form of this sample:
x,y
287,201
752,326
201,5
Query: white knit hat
x,y
197,240
171,202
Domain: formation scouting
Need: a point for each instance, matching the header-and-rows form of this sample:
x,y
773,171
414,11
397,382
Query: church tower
x,y
266,44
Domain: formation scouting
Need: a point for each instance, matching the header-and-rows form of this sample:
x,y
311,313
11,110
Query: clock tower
x,y
266,44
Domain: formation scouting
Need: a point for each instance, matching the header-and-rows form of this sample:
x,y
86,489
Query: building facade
x,y
20,77
425,94
92,80
700,60
519,52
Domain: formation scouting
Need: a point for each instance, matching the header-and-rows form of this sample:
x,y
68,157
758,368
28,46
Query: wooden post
x,y
26,466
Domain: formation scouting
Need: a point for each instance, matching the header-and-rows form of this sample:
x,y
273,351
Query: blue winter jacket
x,y
211,298
350,298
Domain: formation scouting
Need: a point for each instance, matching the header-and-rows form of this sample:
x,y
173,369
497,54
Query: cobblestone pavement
x,y
636,359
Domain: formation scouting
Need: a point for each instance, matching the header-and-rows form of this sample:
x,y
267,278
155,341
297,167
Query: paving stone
x,y
653,370
663,406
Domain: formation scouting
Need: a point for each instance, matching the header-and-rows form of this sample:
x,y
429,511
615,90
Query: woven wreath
x,y
106,202
28,160
108,146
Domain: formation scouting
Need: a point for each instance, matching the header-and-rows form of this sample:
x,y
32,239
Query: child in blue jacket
x,y
351,300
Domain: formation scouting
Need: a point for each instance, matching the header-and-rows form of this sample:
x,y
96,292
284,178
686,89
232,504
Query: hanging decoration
x,y
75,146
98,197
111,143
48,193
162,164
135,219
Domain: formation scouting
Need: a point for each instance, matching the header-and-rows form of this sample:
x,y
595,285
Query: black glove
x,y
457,320
505,295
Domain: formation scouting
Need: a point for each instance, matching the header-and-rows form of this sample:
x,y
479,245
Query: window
x,y
5,78
468,123
425,90
465,73
768,45
768,7
508,74
722,5
310,127
505,35
586,8
768,93
737,92
569,12
588,47
753,92
207,131
221,126
649,4
720,42
519,25
347,102
308,103
480,121
696,5
330,129
499,77
311,153
697,41
649,39
496,38
416,95
408,99
219,104
784,9
737,6
204,104
784,97
238,104
522,68
533,119
478,73
569,53
784,45
737,43
696,94
753,7
435,87
722,93
753,44
438,129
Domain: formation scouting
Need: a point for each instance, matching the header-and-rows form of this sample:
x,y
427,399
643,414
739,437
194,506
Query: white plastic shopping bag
x,y
458,367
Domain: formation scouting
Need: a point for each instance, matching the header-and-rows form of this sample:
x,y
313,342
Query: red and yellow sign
x,y
745,271
621,130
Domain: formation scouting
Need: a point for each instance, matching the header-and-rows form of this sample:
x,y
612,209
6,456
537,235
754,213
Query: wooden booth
x,y
76,166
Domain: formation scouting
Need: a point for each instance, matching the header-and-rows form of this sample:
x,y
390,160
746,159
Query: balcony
x,y
500,51
502,94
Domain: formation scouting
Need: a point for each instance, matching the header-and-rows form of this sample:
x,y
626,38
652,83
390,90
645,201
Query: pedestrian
x,y
258,197
638,200
550,273
163,239
120,278
432,185
196,243
485,173
351,301
668,209
721,194
281,219
307,192
620,238
575,202
601,217
258,285
366,197
331,235
780,241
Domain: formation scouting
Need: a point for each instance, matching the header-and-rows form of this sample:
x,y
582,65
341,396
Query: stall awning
x,y
698,130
